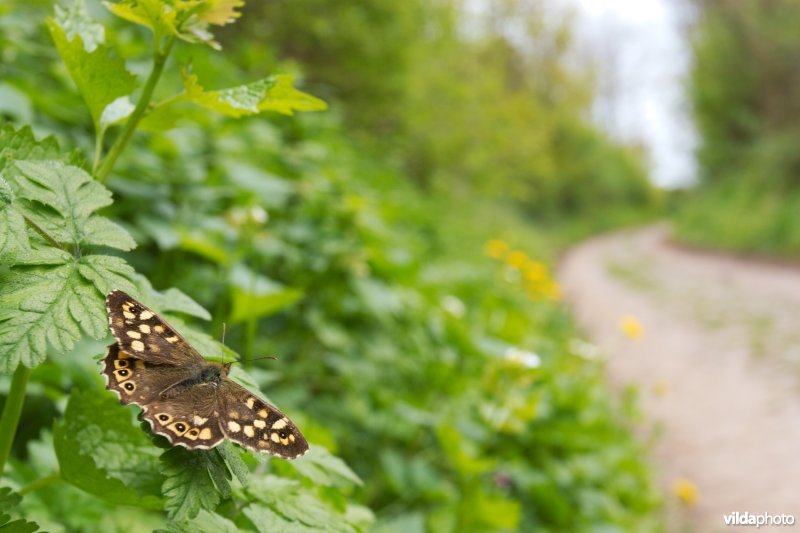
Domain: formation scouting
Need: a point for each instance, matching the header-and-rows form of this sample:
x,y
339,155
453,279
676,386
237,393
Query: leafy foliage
x,y
398,342
9,500
100,78
101,452
275,93
743,88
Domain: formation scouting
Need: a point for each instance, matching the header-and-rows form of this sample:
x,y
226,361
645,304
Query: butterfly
x,y
183,397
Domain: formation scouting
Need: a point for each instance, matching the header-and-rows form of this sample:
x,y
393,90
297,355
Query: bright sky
x,y
642,57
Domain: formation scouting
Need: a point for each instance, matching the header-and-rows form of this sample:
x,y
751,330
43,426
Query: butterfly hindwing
x,y
256,424
145,335
189,420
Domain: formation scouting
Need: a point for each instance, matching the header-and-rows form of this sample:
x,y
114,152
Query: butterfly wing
x,y
256,424
188,420
138,381
143,334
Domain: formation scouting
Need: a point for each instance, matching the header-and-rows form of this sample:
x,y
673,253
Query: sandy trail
x,y
718,367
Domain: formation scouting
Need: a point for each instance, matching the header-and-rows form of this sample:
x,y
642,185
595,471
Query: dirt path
x,y
718,367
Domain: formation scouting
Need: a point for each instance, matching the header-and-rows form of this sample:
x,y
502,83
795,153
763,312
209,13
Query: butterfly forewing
x,y
183,397
141,332
256,424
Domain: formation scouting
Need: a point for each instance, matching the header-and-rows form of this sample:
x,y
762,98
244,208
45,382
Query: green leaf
x,y
100,78
233,458
13,232
157,15
72,196
10,500
175,300
267,521
196,480
323,468
116,112
186,20
21,144
204,522
275,93
45,304
101,451
255,295
220,12
296,507
75,21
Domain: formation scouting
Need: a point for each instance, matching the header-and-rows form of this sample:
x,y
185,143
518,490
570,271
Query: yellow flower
x,y
553,291
631,327
517,259
686,491
496,248
535,271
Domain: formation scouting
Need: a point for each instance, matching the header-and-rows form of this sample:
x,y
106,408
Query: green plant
x,y
58,266
462,403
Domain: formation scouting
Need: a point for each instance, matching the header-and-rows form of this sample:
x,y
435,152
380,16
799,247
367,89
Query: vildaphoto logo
x,y
764,519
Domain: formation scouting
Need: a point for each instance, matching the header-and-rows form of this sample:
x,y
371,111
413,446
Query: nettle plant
x,y
58,261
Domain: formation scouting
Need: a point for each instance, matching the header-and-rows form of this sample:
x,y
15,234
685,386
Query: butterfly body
x,y
190,401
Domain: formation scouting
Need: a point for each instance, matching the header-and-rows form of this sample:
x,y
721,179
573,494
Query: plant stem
x,y
46,236
11,412
98,149
39,483
159,60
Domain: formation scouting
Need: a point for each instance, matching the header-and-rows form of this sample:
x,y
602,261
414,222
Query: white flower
x,y
584,349
454,306
523,357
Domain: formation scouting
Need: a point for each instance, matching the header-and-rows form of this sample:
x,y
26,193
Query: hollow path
x,y
718,367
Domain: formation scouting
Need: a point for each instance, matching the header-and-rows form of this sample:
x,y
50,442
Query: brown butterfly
x,y
183,397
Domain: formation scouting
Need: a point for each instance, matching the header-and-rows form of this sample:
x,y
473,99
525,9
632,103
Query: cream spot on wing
x,y
248,430
199,420
291,437
233,414
123,355
139,363
146,315
159,329
262,444
119,323
192,434
233,426
284,441
205,434
171,339
133,334
263,413
122,374
275,438
280,424
144,328
138,346
250,402
129,316
260,424
154,347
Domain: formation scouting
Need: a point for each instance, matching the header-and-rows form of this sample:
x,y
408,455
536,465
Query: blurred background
x,y
423,256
